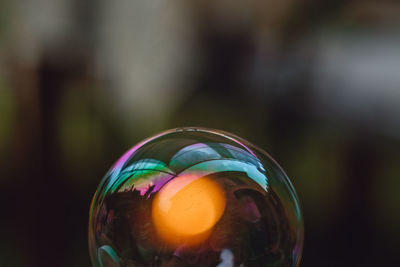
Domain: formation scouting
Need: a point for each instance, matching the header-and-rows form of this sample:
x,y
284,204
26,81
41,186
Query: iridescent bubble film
x,y
195,197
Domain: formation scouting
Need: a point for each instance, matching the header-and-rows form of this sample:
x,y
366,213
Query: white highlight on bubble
x,y
226,258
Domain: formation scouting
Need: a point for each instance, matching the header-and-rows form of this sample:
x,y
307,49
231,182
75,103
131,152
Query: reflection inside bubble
x,y
185,210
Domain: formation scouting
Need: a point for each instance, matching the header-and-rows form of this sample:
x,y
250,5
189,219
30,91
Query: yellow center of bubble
x,y
185,210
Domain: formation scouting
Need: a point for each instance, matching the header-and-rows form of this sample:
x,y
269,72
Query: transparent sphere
x,y
195,197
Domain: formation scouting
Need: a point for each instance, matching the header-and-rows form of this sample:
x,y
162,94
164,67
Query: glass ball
x,y
195,197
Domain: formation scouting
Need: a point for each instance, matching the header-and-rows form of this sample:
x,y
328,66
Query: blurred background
x,y
314,83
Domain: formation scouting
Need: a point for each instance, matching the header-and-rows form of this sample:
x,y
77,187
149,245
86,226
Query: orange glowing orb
x,y
186,209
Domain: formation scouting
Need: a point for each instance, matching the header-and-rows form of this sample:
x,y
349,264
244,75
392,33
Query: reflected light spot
x,y
186,209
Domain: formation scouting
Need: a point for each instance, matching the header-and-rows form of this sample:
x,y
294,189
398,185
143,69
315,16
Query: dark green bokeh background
x,y
314,83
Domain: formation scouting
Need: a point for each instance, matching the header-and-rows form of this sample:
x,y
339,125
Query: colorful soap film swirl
x,y
195,197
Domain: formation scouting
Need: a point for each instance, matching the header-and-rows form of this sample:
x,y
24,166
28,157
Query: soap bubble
x,y
195,197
